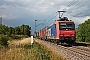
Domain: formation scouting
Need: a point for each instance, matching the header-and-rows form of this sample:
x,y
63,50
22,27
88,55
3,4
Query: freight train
x,y
62,30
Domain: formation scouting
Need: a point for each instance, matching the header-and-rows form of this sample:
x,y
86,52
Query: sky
x,y
18,12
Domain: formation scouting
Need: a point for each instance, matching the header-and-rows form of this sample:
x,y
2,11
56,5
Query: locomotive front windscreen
x,y
66,25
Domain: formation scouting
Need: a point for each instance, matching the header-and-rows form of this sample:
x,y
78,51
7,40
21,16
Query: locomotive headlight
x,y
61,35
72,35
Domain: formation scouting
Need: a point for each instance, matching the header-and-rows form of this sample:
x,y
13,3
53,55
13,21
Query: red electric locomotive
x,y
65,30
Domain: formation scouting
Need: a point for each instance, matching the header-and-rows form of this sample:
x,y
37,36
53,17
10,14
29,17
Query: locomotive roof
x,y
64,19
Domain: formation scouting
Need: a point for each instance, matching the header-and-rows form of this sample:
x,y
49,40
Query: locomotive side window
x,y
68,25
62,26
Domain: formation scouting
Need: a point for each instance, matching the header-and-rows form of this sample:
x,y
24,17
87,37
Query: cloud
x,y
9,0
40,2
3,7
8,17
52,3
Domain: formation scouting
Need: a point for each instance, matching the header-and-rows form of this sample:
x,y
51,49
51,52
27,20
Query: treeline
x,y
17,32
83,32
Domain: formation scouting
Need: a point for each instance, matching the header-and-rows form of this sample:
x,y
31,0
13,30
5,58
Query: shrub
x,y
3,40
13,36
87,39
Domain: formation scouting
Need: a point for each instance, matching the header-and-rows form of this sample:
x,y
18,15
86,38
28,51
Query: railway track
x,y
77,53
70,53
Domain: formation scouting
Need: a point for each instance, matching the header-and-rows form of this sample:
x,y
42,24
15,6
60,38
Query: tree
x,y
4,29
17,30
25,29
83,31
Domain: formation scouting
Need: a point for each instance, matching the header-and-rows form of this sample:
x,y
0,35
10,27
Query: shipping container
x,y
51,31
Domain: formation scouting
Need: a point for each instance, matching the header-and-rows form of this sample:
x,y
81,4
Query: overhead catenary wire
x,y
83,4
41,23
72,3
69,5
81,13
79,7
51,18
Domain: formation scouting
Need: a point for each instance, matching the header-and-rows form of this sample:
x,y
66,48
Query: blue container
x,y
51,31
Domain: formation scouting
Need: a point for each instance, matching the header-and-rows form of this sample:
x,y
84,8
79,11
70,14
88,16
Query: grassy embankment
x,y
27,52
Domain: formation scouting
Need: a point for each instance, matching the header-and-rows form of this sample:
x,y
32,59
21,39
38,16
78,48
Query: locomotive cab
x,y
66,30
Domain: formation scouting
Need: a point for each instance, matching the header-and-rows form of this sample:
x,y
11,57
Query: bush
x,y
24,36
87,39
13,36
3,40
